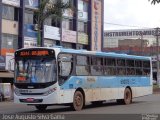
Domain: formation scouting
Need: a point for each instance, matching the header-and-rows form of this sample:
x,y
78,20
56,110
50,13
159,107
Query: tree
x,y
49,9
154,1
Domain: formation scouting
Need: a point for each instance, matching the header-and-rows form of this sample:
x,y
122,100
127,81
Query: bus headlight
x,y
16,91
50,91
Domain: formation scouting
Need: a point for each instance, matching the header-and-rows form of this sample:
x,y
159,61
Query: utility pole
x,y
157,34
141,34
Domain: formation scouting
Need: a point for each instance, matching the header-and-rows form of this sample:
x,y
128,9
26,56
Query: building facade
x,y
131,41
134,42
80,29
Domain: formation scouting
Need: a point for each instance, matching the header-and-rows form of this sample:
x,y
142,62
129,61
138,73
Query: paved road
x,y
142,105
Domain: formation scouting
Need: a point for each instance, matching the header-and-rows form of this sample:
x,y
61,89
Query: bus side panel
x,y
109,93
141,91
66,96
105,88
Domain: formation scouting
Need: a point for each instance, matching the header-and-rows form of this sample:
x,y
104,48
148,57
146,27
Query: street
x,y
143,105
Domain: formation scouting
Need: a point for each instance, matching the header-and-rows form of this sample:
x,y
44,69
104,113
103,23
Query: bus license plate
x,y
30,99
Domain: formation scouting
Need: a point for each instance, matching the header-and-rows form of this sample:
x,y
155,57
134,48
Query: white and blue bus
x,y
49,76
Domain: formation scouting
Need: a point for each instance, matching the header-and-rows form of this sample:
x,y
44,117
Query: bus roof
x,y
106,54
85,52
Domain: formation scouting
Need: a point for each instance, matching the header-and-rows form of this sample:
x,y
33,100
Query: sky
x,y
130,14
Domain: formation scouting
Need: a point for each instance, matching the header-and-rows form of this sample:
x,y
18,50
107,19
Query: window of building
x,y
48,21
83,5
67,24
56,23
9,13
9,41
82,27
29,17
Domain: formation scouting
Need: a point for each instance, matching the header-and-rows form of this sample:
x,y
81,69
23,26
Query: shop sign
x,y
12,2
30,42
52,33
29,31
96,25
83,38
68,36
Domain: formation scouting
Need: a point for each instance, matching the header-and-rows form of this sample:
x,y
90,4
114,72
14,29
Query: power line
x,y
122,25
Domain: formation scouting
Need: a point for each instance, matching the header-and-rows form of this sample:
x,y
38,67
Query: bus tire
x,y
127,96
78,101
41,107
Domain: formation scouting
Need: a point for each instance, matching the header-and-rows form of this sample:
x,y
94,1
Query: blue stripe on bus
x,y
104,54
105,82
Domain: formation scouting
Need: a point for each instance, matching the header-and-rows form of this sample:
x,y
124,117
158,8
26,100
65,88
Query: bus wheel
x,y
78,101
41,107
127,96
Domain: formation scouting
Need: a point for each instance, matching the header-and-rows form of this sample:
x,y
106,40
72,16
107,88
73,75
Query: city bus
x,y
58,76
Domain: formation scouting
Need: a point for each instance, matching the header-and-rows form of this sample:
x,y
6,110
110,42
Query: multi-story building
x,y
79,29
131,41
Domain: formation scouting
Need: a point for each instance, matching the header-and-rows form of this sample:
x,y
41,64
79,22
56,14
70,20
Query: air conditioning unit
x,y
36,27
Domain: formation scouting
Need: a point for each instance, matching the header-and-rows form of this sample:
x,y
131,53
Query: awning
x,y
6,75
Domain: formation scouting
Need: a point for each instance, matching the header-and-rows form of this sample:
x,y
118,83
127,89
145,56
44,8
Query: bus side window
x,y
82,65
65,65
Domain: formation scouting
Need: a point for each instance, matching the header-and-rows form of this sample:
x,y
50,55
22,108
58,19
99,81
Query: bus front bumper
x,y
49,99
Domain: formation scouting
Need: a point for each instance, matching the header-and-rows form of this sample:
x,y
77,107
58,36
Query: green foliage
x,y
50,9
154,1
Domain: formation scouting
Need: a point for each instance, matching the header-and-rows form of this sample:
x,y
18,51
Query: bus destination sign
x,y
34,53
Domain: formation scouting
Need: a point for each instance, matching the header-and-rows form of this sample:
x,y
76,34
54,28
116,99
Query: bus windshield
x,y
38,70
